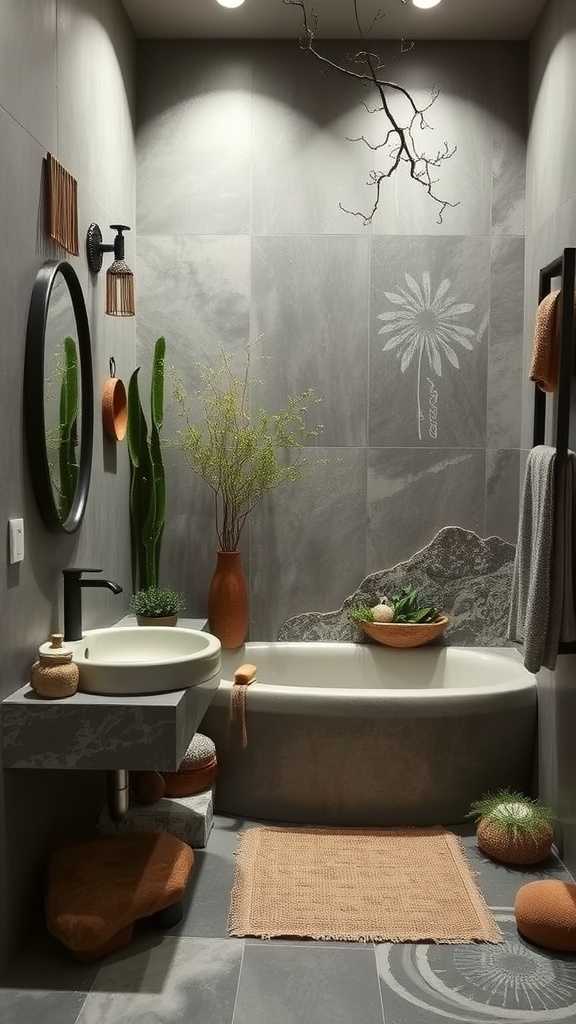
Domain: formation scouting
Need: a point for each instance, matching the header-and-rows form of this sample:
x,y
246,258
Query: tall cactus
x,y
147,479
68,428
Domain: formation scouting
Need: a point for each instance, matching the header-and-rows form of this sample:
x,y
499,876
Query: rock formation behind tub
x,y
459,572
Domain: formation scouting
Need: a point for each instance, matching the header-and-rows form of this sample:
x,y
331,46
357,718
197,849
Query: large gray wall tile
x,y
413,493
460,117
95,103
303,165
430,305
310,302
509,81
550,182
28,41
308,540
502,494
505,347
195,291
194,108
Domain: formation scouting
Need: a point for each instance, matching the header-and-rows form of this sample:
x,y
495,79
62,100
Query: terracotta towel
x,y
243,677
544,368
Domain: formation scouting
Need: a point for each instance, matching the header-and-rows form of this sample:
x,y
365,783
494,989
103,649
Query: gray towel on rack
x,y
542,609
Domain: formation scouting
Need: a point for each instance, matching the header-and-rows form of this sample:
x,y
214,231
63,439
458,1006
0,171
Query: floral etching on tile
x,y
478,984
426,330
459,572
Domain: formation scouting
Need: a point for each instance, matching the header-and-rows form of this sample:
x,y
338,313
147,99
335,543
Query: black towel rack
x,y
565,268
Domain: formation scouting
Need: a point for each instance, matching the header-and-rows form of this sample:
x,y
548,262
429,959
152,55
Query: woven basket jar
x,y
500,844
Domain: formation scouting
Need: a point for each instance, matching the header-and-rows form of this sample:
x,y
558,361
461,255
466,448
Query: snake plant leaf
x,y
159,483
142,491
157,388
147,477
134,415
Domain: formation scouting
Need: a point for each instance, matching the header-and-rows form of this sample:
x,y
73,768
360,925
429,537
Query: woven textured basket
x,y
497,843
405,634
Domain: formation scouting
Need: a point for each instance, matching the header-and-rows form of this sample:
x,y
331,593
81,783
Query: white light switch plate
x,y
16,527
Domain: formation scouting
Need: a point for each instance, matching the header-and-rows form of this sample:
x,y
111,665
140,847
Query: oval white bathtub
x,y
355,734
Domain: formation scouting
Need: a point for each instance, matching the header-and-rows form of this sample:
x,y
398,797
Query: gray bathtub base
x,y
371,772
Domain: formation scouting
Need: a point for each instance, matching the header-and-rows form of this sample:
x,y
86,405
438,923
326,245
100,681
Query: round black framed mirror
x,y
59,396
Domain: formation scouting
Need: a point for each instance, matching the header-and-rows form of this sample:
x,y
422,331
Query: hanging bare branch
x,y
400,146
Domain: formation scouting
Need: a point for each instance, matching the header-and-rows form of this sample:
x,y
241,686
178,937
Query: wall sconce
x,y
119,277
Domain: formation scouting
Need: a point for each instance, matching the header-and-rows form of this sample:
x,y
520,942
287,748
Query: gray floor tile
x,y
176,981
477,984
45,965
289,985
208,896
499,883
24,1007
44,979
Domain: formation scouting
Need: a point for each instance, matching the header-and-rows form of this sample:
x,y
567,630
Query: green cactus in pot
x,y
147,478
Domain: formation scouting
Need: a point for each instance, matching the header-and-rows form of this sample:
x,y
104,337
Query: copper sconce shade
x,y
120,290
119,277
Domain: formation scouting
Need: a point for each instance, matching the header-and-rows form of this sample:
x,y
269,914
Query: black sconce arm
x,y
95,247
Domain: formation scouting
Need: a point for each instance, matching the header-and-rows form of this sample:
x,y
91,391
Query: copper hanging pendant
x,y
114,406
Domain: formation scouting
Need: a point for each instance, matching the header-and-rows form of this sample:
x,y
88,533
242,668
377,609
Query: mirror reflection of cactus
x,y
69,400
147,479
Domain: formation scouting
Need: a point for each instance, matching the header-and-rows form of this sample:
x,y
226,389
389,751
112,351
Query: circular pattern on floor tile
x,y
482,984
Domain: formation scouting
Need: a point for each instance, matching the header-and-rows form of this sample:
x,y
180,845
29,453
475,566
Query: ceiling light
x,y
423,4
238,3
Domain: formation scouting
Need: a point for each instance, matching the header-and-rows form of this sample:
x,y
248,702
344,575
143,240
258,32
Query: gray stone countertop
x,y
89,731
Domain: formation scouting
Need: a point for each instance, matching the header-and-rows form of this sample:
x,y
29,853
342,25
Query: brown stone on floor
x,y
98,889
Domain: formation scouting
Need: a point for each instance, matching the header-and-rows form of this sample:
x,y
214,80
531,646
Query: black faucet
x,y
73,583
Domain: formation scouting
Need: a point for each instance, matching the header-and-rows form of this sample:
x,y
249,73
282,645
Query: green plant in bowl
x,y
361,613
409,607
157,606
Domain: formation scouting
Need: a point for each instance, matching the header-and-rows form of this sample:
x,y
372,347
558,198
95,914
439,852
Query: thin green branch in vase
x,y
238,451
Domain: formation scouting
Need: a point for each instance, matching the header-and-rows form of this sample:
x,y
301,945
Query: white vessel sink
x,y
145,659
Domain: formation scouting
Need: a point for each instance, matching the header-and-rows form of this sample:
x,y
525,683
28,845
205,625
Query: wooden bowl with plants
x,y
404,621
512,828
157,606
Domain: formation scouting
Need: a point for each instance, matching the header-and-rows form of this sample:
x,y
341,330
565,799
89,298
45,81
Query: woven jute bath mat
x,y
363,885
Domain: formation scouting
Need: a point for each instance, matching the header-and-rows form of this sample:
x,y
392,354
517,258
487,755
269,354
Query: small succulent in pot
x,y
157,606
512,828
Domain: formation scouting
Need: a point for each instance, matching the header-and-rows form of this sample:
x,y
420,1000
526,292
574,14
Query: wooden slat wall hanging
x,y
62,204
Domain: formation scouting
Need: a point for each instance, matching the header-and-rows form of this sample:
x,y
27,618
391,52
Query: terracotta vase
x,y
228,601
